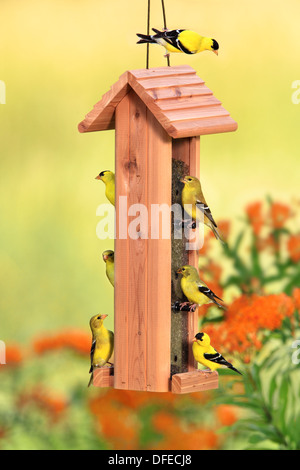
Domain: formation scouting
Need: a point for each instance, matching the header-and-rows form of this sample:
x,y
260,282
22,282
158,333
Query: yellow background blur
x,y
57,59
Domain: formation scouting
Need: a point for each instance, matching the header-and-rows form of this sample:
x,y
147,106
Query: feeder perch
x,y
158,115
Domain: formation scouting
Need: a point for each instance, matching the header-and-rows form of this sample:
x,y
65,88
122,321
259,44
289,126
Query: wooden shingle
x,y
176,96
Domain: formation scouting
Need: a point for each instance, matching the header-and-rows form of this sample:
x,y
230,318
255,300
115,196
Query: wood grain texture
x,y
199,114
103,377
159,259
195,381
122,262
142,265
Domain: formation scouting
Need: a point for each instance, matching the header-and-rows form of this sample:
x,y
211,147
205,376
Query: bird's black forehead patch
x,y
103,172
215,45
199,336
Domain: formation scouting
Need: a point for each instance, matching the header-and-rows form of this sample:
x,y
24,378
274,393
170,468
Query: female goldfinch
x,y
196,290
206,355
108,258
102,345
195,205
108,178
180,40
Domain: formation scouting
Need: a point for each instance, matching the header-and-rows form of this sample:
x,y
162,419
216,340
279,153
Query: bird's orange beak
x,y
216,52
194,340
103,317
182,180
105,257
179,271
98,177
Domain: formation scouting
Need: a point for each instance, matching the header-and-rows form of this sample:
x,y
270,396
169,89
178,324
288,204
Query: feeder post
x,y
142,265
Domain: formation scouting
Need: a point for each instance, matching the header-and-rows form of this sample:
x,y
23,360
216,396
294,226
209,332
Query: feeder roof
x,y
176,96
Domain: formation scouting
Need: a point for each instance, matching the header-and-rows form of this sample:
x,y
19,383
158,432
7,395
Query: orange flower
x,y
53,405
255,216
279,214
226,415
117,424
224,227
13,355
246,319
75,339
296,297
294,248
163,421
212,270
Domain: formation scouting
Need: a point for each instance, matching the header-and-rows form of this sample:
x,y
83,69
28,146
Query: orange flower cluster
x,y
255,216
246,318
117,423
53,405
226,415
117,418
73,339
296,298
175,437
279,214
14,355
294,248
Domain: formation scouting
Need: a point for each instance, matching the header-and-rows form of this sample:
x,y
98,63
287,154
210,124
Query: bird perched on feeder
x,y
206,355
180,40
109,259
195,205
108,178
102,344
196,291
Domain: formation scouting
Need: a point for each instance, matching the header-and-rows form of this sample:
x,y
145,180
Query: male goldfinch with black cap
x,y
180,40
206,355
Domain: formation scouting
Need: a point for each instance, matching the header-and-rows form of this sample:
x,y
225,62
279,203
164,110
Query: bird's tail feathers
x,y
91,380
217,234
145,39
234,369
218,303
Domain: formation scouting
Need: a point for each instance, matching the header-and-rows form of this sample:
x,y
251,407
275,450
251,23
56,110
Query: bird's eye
x,y
183,269
98,318
190,179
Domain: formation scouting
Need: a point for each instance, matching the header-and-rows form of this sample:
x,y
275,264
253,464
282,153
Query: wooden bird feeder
x,y
158,115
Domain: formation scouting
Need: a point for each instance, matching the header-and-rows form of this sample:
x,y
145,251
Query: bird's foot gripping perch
x,y
190,224
184,307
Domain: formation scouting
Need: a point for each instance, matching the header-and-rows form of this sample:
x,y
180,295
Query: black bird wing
x,y
210,294
172,38
206,211
217,358
92,354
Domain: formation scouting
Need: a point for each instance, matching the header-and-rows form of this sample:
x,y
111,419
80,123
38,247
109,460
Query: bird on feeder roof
x,y
180,40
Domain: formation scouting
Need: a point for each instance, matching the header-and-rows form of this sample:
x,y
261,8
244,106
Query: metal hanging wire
x,y
165,25
148,30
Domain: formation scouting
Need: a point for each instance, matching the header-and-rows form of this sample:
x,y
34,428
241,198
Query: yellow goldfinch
x,y
180,40
206,355
108,178
196,290
191,195
108,257
102,345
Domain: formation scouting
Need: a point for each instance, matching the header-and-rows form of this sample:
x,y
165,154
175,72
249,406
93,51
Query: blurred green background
x,y
57,60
